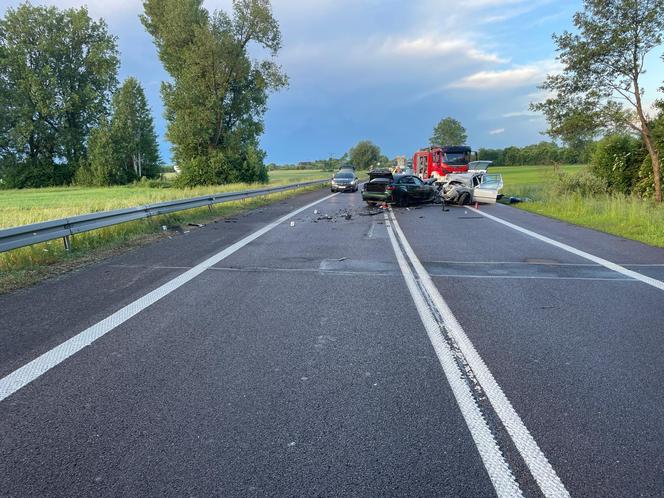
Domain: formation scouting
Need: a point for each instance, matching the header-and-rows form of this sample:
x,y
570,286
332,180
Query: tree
x,y
218,94
124,149
133,132
101,168
448,131
364,155
57,71
600,86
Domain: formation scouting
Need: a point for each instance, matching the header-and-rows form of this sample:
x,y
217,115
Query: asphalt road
x,y
323,358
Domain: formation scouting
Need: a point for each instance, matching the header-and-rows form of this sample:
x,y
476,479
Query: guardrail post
x,y
67,242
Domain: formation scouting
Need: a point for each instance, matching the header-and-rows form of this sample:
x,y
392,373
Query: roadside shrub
x,y
583,183
616,161
645,181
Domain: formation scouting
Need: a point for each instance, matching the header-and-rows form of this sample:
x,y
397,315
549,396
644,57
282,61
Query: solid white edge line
x,y
496,466
591,257
43,363
539,466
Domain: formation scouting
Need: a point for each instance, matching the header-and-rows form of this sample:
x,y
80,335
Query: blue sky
x,y
385,70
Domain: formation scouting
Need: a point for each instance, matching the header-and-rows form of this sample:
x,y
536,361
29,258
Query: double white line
x,y
454,349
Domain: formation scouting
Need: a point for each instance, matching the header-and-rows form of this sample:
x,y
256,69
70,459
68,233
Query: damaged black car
x,y
402,190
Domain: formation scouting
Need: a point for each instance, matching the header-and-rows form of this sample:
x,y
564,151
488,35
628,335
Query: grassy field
x,y
19,207
520,178
619,215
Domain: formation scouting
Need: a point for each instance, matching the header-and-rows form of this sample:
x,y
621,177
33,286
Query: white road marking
x,y
370,234
658,284
531,277
499,472
539,466
40,365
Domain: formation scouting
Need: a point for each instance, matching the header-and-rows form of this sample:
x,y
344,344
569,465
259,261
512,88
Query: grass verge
x,y
28,265
627,217
624,216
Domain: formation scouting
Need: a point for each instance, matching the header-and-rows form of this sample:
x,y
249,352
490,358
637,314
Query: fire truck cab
x,y
438,161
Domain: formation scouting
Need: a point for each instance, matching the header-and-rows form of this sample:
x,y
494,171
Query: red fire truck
x,y
438,161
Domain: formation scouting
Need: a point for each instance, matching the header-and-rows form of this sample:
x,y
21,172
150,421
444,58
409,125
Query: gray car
x,y
344,180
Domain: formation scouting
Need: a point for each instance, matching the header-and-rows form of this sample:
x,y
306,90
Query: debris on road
x,y
292,223
199,225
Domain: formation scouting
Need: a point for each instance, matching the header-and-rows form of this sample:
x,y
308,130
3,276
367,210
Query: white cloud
x,y
497,131
518,114
508,78
430,46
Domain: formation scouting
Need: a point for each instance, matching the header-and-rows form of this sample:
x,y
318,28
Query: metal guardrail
x,y
27,235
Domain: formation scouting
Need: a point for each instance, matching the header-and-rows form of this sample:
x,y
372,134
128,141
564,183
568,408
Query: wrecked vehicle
x,y
384,186
474,186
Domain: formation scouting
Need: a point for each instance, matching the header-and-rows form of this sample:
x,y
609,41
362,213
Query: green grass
x,y
298,175
19,207
623,216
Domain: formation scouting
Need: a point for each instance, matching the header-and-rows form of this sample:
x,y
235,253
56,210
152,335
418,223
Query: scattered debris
x,y
164,228
315,211
292,223
342,259
348,216
325,217
199,225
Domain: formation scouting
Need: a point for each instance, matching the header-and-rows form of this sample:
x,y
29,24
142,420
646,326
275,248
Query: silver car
x,y
344,180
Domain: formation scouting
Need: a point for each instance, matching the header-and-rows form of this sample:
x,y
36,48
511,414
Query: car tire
x,y
464,199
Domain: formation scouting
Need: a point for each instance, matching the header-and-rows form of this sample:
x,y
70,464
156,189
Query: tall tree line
x,y
61,118
64,120
217,95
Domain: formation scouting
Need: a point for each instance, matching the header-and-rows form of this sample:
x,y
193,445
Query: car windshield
x,y
455,158
344,175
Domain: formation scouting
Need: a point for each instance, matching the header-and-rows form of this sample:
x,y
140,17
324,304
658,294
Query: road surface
x,y
283,353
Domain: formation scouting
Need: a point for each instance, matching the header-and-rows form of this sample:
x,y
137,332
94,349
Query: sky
x,y
385,70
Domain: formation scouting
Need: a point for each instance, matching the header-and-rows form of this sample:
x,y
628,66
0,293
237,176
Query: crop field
x,y
21,207
518,177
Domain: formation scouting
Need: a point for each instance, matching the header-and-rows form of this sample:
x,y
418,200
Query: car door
x,y
420,191
408,188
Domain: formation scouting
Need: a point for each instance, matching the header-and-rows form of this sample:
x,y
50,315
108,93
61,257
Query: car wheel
x,y
464,199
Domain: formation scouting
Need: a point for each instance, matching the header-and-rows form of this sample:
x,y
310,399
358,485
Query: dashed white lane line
x,y
658,284
539,466
42,364
497,467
